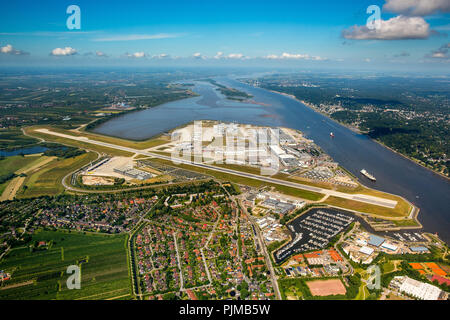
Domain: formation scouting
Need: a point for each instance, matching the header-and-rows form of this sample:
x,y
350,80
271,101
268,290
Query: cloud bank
x,y
417,7
136,55
397,28
67,51
442,53
9,49
290,56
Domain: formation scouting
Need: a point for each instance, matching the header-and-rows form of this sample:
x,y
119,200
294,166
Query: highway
x,y
355,197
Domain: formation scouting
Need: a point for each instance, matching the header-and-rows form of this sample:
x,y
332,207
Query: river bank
x,y
353,151
357,130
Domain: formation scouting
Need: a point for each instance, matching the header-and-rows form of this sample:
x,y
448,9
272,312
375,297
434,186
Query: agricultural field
x,y
41,273
11,167
12,164
47,181
3,187
14,138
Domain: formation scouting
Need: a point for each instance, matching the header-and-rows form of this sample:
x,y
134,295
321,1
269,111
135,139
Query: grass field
x,y
13,138
83,145
291,289
18,165
304,194
400,211
144,144
47,181
12,164
140,145
406,223
3,187
363,292
39,162
11,189
388,267
42,274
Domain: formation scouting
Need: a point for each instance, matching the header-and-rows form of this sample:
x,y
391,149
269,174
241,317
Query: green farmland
x,y
42,274
47,181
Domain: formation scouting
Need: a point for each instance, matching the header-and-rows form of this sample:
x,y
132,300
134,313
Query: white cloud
x,y
235,56
161,56
67,51
272,56
439,55
291,56
367,60
218,55
101,54
442,53
9,49
417,7
397,28
136,55
198,55
133,37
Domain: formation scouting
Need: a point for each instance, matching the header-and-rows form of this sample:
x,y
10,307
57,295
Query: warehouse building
x,y
417,289
389,246
375,241
134,173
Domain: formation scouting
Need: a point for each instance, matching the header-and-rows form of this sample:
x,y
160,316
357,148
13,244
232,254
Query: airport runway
x,y
355,197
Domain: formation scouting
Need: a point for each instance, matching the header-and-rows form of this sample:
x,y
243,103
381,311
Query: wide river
x,y
394,173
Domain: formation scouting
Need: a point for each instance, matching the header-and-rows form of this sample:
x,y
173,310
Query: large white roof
x,y
366,250
420,290
389,246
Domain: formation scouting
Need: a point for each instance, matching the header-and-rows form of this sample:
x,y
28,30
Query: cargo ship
x,y
368,175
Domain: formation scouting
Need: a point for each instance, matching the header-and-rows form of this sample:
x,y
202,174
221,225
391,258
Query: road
x,y
178,260
344,235
355,197
269,264
273,276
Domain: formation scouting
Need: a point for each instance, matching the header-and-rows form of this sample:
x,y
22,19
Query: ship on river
x,y
368,175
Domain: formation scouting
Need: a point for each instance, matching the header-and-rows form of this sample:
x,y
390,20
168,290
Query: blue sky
x,y
246,32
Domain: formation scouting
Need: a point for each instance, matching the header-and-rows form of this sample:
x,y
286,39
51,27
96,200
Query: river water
x,y
394,173
31,150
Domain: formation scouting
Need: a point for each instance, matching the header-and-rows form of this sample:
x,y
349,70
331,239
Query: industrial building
x,y
417,289
366,250
134,173
278,206
389,246
419,249
375,241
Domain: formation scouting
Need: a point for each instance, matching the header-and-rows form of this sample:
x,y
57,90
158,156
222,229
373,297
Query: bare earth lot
x,y
326,287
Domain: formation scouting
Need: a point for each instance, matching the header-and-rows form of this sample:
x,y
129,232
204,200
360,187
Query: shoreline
x,y
356,130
